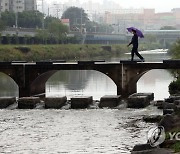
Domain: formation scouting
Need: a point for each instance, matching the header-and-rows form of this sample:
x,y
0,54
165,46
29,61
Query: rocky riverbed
x,y
170,122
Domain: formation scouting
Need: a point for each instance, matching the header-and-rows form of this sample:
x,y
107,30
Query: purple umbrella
x,y
138,32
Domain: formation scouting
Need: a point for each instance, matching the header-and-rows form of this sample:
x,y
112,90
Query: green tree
x,y
8,37
42,36
26,19
175,50
0,38
30,19
15,39
48,20
57,31
8,18
2,25
76,16
174,87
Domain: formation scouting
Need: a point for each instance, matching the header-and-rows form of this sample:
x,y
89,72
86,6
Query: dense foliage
x,y
48,28
174,86
76,16
54,34
26,19
175,50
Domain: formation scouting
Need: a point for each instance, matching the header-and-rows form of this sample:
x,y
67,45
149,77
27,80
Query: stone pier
x,y
110,101
81,102
55,102
6,101
28,102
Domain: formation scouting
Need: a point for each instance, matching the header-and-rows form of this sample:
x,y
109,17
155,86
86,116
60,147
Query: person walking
x,y
134,42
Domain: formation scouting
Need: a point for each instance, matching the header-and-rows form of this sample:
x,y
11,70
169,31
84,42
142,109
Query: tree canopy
x,y
76,16
55,32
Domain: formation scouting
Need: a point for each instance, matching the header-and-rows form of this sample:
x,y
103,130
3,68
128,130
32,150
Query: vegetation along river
x,y
90,131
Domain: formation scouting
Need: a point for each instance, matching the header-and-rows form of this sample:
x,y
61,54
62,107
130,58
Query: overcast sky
x,y
159,5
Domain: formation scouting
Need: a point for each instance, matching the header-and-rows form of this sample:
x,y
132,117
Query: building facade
x,y
17,5
146,19
4,5
30,5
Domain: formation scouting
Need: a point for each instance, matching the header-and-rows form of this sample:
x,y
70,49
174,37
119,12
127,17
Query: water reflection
x,y
81,82
8,88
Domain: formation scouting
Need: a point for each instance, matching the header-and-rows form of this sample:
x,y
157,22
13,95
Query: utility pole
x,y
43,14
48,11
0,7
16,14
81,20
16,22
57,10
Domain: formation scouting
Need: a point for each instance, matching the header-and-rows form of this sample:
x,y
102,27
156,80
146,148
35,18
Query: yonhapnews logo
x,y
156,136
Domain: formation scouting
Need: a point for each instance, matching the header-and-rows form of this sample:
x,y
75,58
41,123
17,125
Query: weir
x,y
31,77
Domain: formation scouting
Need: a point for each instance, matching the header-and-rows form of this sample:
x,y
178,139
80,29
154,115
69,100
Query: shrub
x,y
174,87
23,49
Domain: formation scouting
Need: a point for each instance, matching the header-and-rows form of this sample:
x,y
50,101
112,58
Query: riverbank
x,y
65,51
168,129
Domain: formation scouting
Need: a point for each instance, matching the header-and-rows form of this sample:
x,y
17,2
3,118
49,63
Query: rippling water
x,y
73,131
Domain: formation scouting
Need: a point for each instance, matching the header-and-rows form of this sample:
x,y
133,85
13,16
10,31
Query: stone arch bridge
x,y
31,77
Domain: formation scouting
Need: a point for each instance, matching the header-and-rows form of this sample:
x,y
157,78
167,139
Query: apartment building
x,y
4,5
30,5
17,5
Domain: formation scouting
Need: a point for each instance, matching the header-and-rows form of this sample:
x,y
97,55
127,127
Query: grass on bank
x,y
63,51
46,52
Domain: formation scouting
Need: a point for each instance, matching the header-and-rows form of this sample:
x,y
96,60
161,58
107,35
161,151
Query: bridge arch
x,y
156,81
38,85
9,86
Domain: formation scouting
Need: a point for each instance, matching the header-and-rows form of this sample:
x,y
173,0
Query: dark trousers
x,y
135,51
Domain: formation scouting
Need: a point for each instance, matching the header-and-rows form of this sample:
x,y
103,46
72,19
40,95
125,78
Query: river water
x,y
91,131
